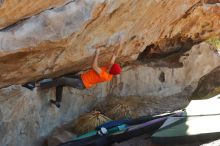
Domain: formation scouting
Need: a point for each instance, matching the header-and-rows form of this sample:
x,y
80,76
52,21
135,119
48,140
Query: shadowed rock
x,y
42,46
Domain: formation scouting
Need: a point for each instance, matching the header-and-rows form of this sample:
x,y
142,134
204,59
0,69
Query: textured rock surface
x,y
208,84
26,118
11,11
146,79
60,136
43,46
58,41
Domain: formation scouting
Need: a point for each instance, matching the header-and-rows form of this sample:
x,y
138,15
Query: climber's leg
x,y
45,83
62,81
59,91
66,81
73,82
59,83
48,83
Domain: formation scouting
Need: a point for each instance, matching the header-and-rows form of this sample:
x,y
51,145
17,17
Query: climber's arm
x,y
113,58
95,63
115,54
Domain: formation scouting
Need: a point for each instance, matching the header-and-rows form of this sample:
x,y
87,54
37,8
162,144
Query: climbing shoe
x,y
55,103
30,85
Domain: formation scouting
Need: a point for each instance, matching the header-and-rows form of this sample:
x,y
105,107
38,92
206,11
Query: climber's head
x,y
115,69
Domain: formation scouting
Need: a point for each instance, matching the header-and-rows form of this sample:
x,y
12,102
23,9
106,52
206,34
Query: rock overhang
x,y
61,40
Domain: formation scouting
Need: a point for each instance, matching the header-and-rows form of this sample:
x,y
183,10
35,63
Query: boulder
x,y
59,136
164,55
27,118
61,40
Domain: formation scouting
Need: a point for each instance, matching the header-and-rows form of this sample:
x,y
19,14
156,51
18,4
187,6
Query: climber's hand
x,y
97,51
98,46
122,39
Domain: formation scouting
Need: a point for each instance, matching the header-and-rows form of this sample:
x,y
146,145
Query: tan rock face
x,y
26,117
60,40
12,11
208,85
159,80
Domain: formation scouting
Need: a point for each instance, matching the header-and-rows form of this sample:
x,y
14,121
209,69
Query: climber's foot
x,y
30,85
57,103
37,84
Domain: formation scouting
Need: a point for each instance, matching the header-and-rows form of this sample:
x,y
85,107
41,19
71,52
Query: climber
x,y
83,81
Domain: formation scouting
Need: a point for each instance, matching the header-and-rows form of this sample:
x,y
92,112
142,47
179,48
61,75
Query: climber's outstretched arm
x,y
95,62
115,54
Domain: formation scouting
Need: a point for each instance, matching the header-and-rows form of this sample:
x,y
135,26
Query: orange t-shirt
x,y
91,77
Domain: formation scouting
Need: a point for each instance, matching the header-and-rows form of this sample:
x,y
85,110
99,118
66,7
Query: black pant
x,y
59,83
